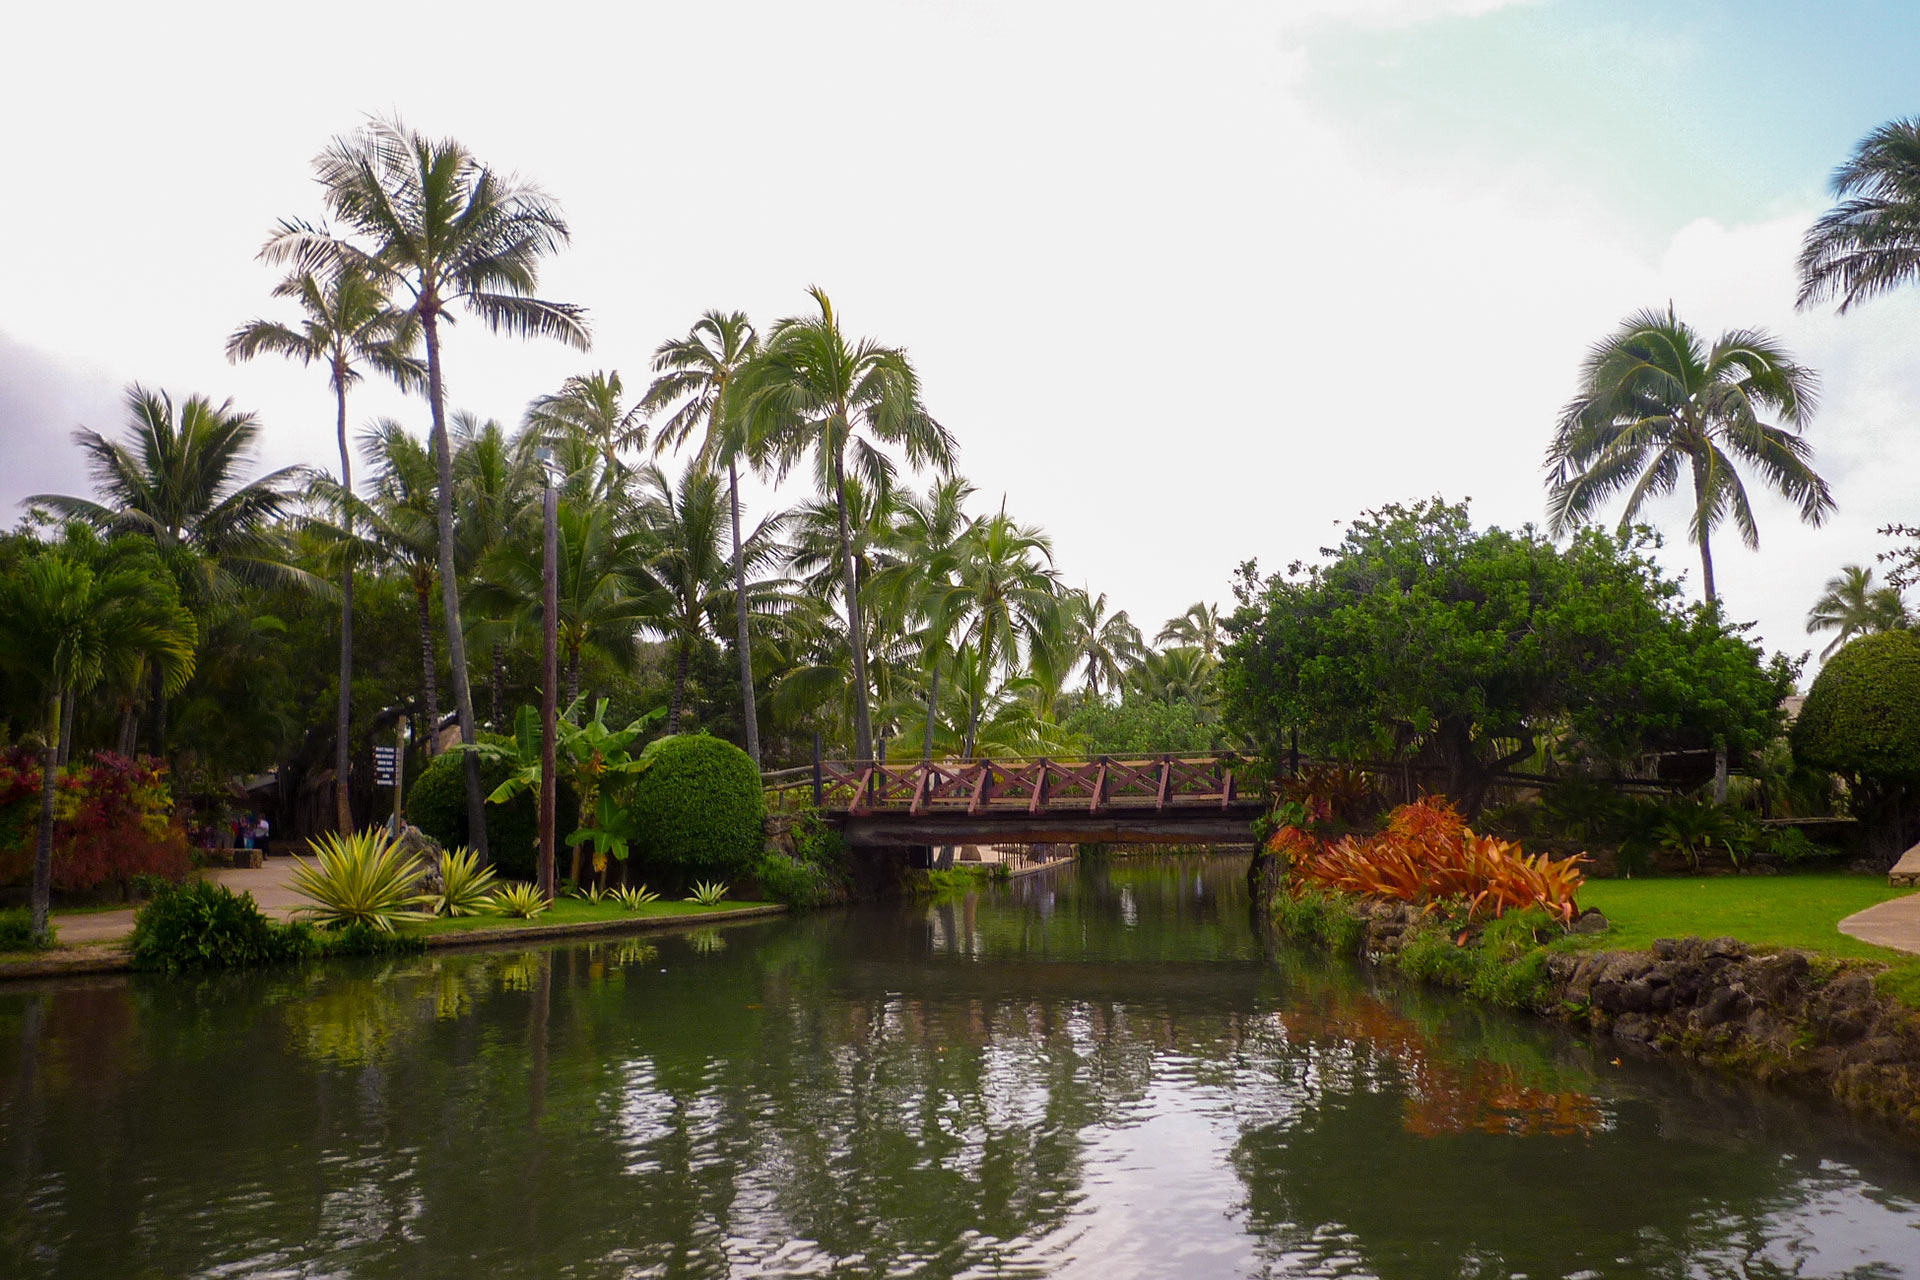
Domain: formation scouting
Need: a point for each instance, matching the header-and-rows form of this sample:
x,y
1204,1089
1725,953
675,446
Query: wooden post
x,y
399,771
544,871
819,783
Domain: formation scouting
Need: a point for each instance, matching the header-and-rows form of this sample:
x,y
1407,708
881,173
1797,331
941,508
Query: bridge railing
x,y
1036,784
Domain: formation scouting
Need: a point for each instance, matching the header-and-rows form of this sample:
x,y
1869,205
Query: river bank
x,y
1815,1023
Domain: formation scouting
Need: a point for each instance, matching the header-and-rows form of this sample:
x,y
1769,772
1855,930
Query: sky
x,y
1190,283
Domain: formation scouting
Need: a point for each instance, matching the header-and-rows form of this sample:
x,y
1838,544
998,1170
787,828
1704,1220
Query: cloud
x,y
42,399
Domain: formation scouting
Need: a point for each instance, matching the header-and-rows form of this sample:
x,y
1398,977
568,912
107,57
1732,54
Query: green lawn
x,y
576,911
1769,911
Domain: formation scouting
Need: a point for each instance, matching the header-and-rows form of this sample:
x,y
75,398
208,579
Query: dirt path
x,y
1894,923
270,885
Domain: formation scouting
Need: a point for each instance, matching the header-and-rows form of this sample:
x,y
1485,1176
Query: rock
x,y
1637,1027
1723,1004
1725,949
1665,948
1588,922
1637,996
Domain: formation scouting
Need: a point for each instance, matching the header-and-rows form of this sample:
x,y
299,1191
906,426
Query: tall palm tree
x,y
496,487
588,412
1183,673
1108,644
63,628
1868,243
402,527
696,372
347,322
443,230
1852,606
175,481
1198,627
1656,404
922,534
812,393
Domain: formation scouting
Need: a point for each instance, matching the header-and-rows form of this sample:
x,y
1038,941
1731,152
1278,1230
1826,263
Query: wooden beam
x,y
1203,825
981,786
1166,776
1099,787
1039,798
919,804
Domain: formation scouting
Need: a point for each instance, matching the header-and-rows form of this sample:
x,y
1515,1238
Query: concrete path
x,y
270,884
1894,923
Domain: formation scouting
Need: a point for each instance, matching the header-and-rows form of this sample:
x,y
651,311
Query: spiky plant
x,y
519,901
465,885
634,897
363,878
708,893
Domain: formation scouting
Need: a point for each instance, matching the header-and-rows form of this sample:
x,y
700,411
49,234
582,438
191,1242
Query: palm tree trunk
x,y
1720,745
1706,572
856,636
159,718
933,701
450,585
573,674
123,740
67,709
685,647
429,670
749,715
43,846
343,717
497,690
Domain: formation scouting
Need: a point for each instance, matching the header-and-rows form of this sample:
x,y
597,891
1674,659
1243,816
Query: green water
x,y
1099,1072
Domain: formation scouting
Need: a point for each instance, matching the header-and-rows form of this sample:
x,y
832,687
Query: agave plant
x,y
465,885
520,901
363,878
634,897
708,894
593,894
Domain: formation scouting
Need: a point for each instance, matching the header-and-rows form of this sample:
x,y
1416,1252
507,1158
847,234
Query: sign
x,y
385,766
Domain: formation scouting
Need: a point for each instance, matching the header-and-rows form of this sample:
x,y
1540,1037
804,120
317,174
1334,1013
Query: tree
x,y
696,372
63,627
1423,639
1183,673
1654,403
1868,243
441,228
175,482
588,413
348,322
1862,720
1108,645
811,392
403,529
1852,606
1197,628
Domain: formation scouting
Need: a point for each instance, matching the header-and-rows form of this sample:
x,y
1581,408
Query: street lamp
x,y
549,669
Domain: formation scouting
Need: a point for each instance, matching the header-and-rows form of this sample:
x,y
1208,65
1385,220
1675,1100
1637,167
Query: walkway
x,y
1894,923
270,885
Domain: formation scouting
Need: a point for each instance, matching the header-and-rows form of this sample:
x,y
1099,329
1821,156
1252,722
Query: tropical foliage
x,y
366,878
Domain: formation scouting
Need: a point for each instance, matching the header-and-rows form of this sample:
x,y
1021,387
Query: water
x,y
1094,1073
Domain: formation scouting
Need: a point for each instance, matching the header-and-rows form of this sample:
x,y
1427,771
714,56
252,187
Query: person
x,y
243,833
260,830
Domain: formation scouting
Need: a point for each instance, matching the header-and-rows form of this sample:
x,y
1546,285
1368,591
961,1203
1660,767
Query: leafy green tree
x,y
1852,606
1142,726
1467,649
696,372
1861,720
63,628
1869,243
1656,406
347,322
440,228
813,393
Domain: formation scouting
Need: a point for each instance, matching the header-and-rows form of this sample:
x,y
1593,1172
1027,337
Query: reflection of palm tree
x,y
348,323
1852,606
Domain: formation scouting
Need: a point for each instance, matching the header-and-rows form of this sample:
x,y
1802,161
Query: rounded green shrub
x,y
1862,715
437,804
698,811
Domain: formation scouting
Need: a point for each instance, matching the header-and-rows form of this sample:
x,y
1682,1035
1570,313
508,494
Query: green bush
x,y
1862,715
208,926
699,811
816,874
1319,919
16,931
363,939
437,804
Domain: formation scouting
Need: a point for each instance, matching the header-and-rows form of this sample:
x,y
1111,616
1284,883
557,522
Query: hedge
x,y
698,812
1862,715
437,804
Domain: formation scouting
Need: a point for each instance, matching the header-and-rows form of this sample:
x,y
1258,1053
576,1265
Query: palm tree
x,y
443,229
1198,627
920,541
1655,402
63,627
587,412
1108,644
1183,673
1000,602
1868,243
1852,606
403,529
811,392
696,372
175,482
347,322
495,484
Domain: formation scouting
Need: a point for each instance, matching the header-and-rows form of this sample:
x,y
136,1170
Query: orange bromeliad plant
x,y
1427,854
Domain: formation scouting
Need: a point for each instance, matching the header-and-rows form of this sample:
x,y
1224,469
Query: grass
x,y
1801,911
576,911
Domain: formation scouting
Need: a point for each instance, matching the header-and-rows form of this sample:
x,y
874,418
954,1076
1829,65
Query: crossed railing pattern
x,y
1042,785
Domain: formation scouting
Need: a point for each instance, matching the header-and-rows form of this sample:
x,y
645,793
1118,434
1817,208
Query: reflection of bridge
x,y
1164,799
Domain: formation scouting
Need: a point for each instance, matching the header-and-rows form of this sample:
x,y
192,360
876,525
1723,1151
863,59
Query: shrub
x,y
519,901
366,878
787,879
698,811
113,820
815,873
365,940
437,804
16,931
208,926
1862,720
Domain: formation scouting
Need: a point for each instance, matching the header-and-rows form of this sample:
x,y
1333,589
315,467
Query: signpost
x,y
388,766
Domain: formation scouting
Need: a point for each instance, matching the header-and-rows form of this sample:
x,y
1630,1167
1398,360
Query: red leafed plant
x,y
113,820
1427,854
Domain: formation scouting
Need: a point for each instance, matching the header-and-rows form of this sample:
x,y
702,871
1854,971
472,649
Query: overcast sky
x,y
1190,282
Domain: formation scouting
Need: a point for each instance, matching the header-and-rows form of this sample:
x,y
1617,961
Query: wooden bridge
x,y
1163,799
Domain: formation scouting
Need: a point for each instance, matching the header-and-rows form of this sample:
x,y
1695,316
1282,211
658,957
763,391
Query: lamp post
x,y
549,670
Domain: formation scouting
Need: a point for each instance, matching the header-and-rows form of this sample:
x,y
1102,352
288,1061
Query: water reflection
x,y
1101,1072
